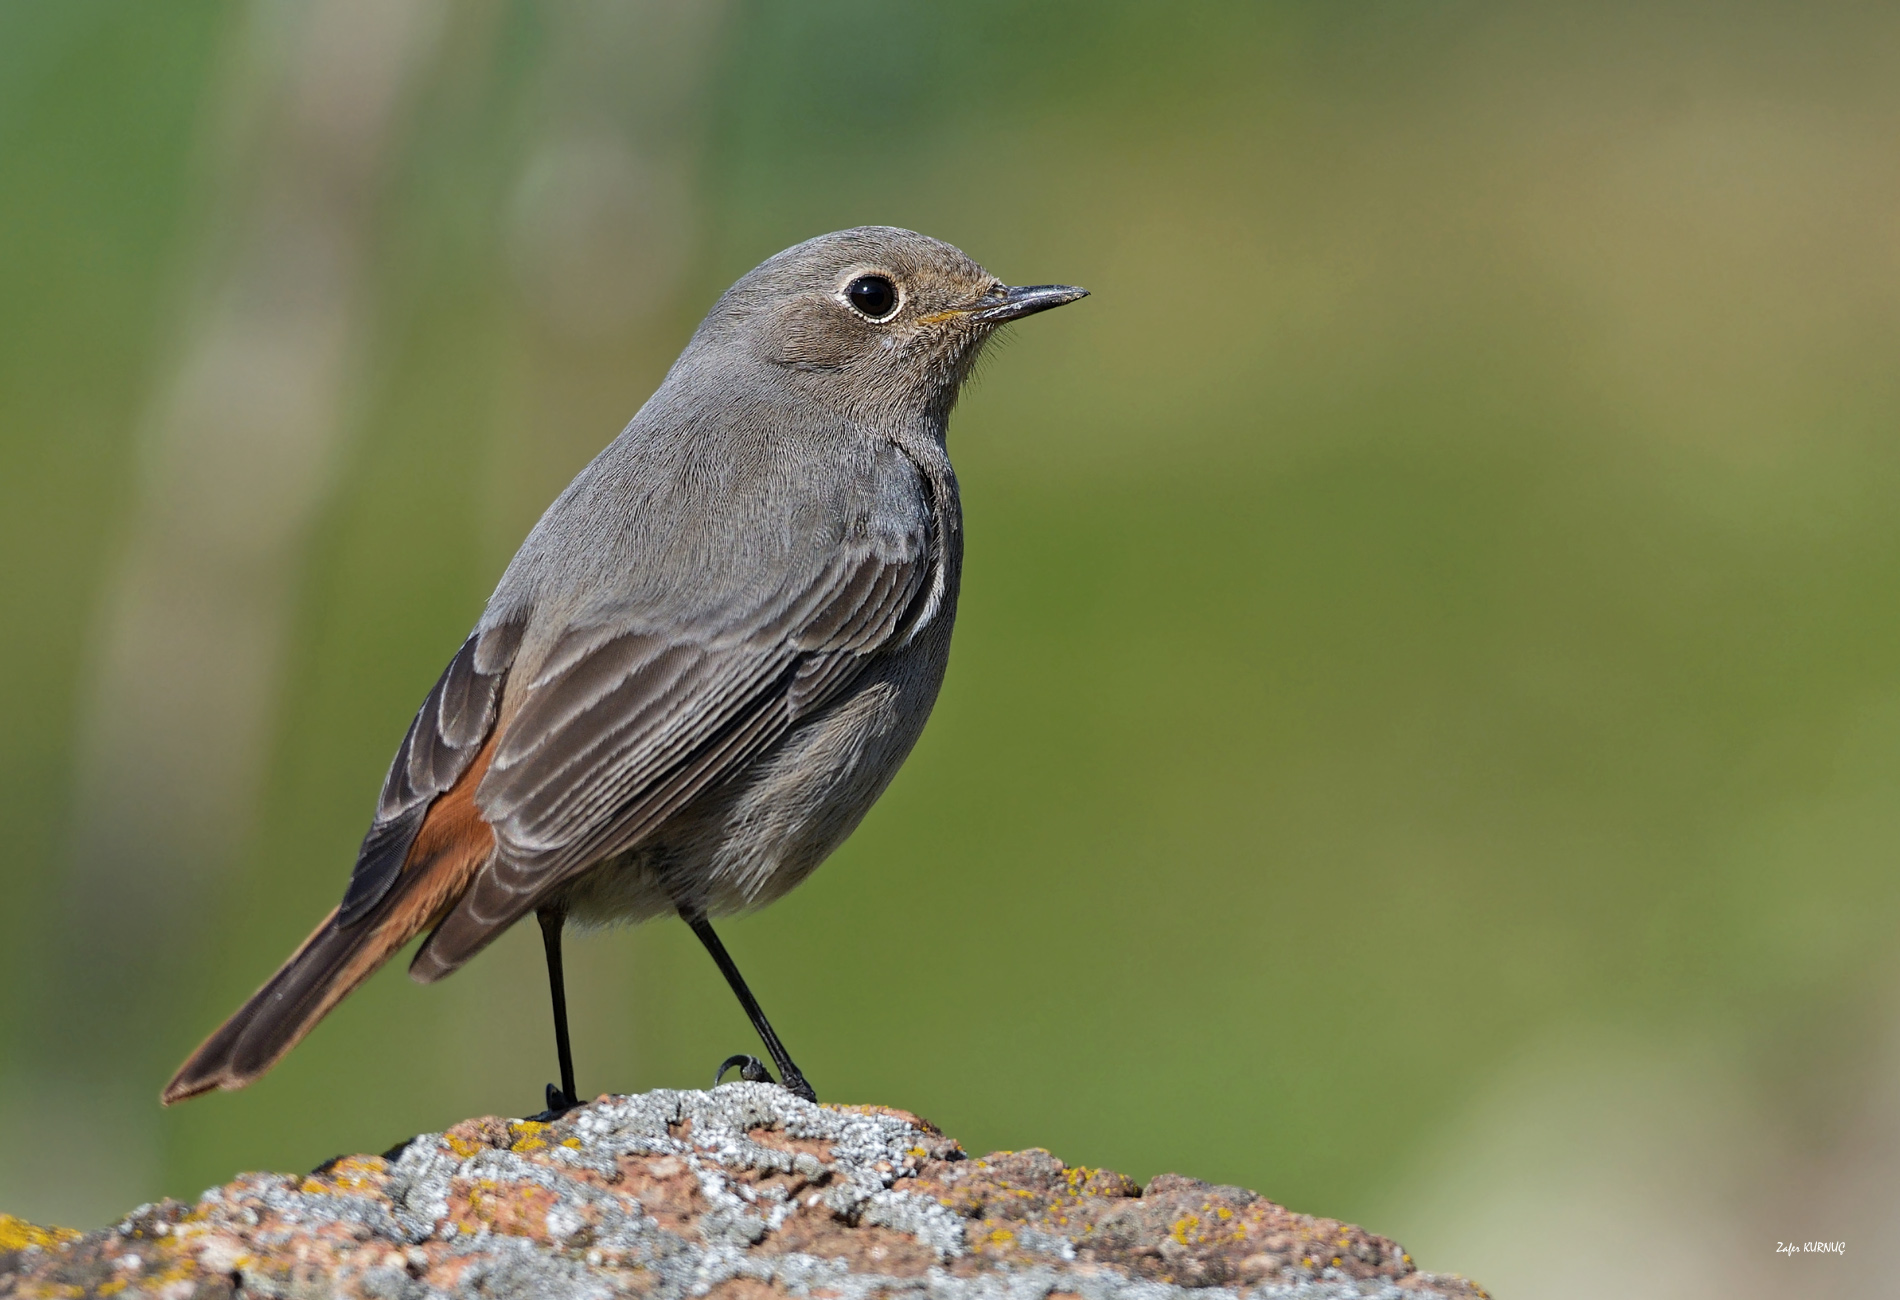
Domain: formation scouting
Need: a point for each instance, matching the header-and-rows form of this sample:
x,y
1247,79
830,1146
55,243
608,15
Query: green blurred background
x,y
1424,729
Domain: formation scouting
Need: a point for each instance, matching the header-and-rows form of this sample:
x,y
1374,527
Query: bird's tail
x,y
328,965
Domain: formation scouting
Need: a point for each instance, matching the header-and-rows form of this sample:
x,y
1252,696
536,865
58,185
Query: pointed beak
x,y
1027,300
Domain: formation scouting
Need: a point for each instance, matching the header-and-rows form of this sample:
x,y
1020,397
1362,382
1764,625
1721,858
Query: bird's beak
x,y
1027,300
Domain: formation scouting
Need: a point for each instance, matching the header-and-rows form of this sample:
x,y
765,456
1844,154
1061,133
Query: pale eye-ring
x,y
874,295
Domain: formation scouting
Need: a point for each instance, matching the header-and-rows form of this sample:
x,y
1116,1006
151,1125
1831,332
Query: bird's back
x,y
723,498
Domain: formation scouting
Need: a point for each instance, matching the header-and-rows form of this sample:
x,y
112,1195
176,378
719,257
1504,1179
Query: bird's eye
x,y
873,295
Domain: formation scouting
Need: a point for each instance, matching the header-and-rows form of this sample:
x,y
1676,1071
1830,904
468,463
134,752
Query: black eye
x,y
873,295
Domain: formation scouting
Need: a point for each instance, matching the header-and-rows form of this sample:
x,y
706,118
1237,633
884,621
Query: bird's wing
x,y
449,730
617,730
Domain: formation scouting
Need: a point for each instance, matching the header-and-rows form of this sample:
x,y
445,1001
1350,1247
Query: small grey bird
x,y
705,663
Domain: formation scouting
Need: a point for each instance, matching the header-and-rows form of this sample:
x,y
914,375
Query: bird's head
x,y
879,320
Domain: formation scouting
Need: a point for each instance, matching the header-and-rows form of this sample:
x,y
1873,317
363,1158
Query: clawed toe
x,y
753,1070
559,1103
750,1068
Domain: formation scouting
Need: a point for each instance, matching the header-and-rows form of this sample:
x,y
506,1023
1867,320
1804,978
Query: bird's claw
x,y
559,1103
750,1068
753,1070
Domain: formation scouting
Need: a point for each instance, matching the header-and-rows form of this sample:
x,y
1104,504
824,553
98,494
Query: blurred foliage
x,y
1441,592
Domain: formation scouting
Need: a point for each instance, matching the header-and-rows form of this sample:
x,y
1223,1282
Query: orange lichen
x,y
510,1208
354,1174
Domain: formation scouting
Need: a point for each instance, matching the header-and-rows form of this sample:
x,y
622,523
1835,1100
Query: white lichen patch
x,y
668,1196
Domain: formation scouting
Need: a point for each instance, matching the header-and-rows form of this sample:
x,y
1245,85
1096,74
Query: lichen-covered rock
x,y
742,1193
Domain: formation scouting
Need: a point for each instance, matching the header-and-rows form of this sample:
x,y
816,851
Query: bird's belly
x,y
747,841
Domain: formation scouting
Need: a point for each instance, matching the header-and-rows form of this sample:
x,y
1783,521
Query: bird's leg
x,y
563,1098
790,1077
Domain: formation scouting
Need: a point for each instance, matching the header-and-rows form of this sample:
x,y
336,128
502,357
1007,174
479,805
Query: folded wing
x,y
619,729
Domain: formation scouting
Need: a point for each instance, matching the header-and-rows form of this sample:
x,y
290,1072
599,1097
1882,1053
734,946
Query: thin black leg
x,y
565,1097
791,1078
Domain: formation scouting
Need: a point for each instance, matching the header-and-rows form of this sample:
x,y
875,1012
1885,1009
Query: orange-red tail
x,y
448,850
329,964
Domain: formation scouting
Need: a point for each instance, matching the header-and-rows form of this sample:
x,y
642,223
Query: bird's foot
x,y
559,1103
753,1070
750,1068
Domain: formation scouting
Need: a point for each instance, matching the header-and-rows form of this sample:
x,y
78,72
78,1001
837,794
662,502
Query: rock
x,y
742,1193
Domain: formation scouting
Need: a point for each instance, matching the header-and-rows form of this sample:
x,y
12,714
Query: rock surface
x,y
742,1193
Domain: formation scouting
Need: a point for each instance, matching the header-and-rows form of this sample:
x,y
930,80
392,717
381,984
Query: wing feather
x,y
615,733
447,733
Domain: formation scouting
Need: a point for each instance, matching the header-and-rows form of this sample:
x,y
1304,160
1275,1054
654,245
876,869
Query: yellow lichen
x,y
462,1147
179,1269
527,1135
18,1234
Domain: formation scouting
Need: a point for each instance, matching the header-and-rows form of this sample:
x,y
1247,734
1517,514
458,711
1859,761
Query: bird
x,y
706,662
